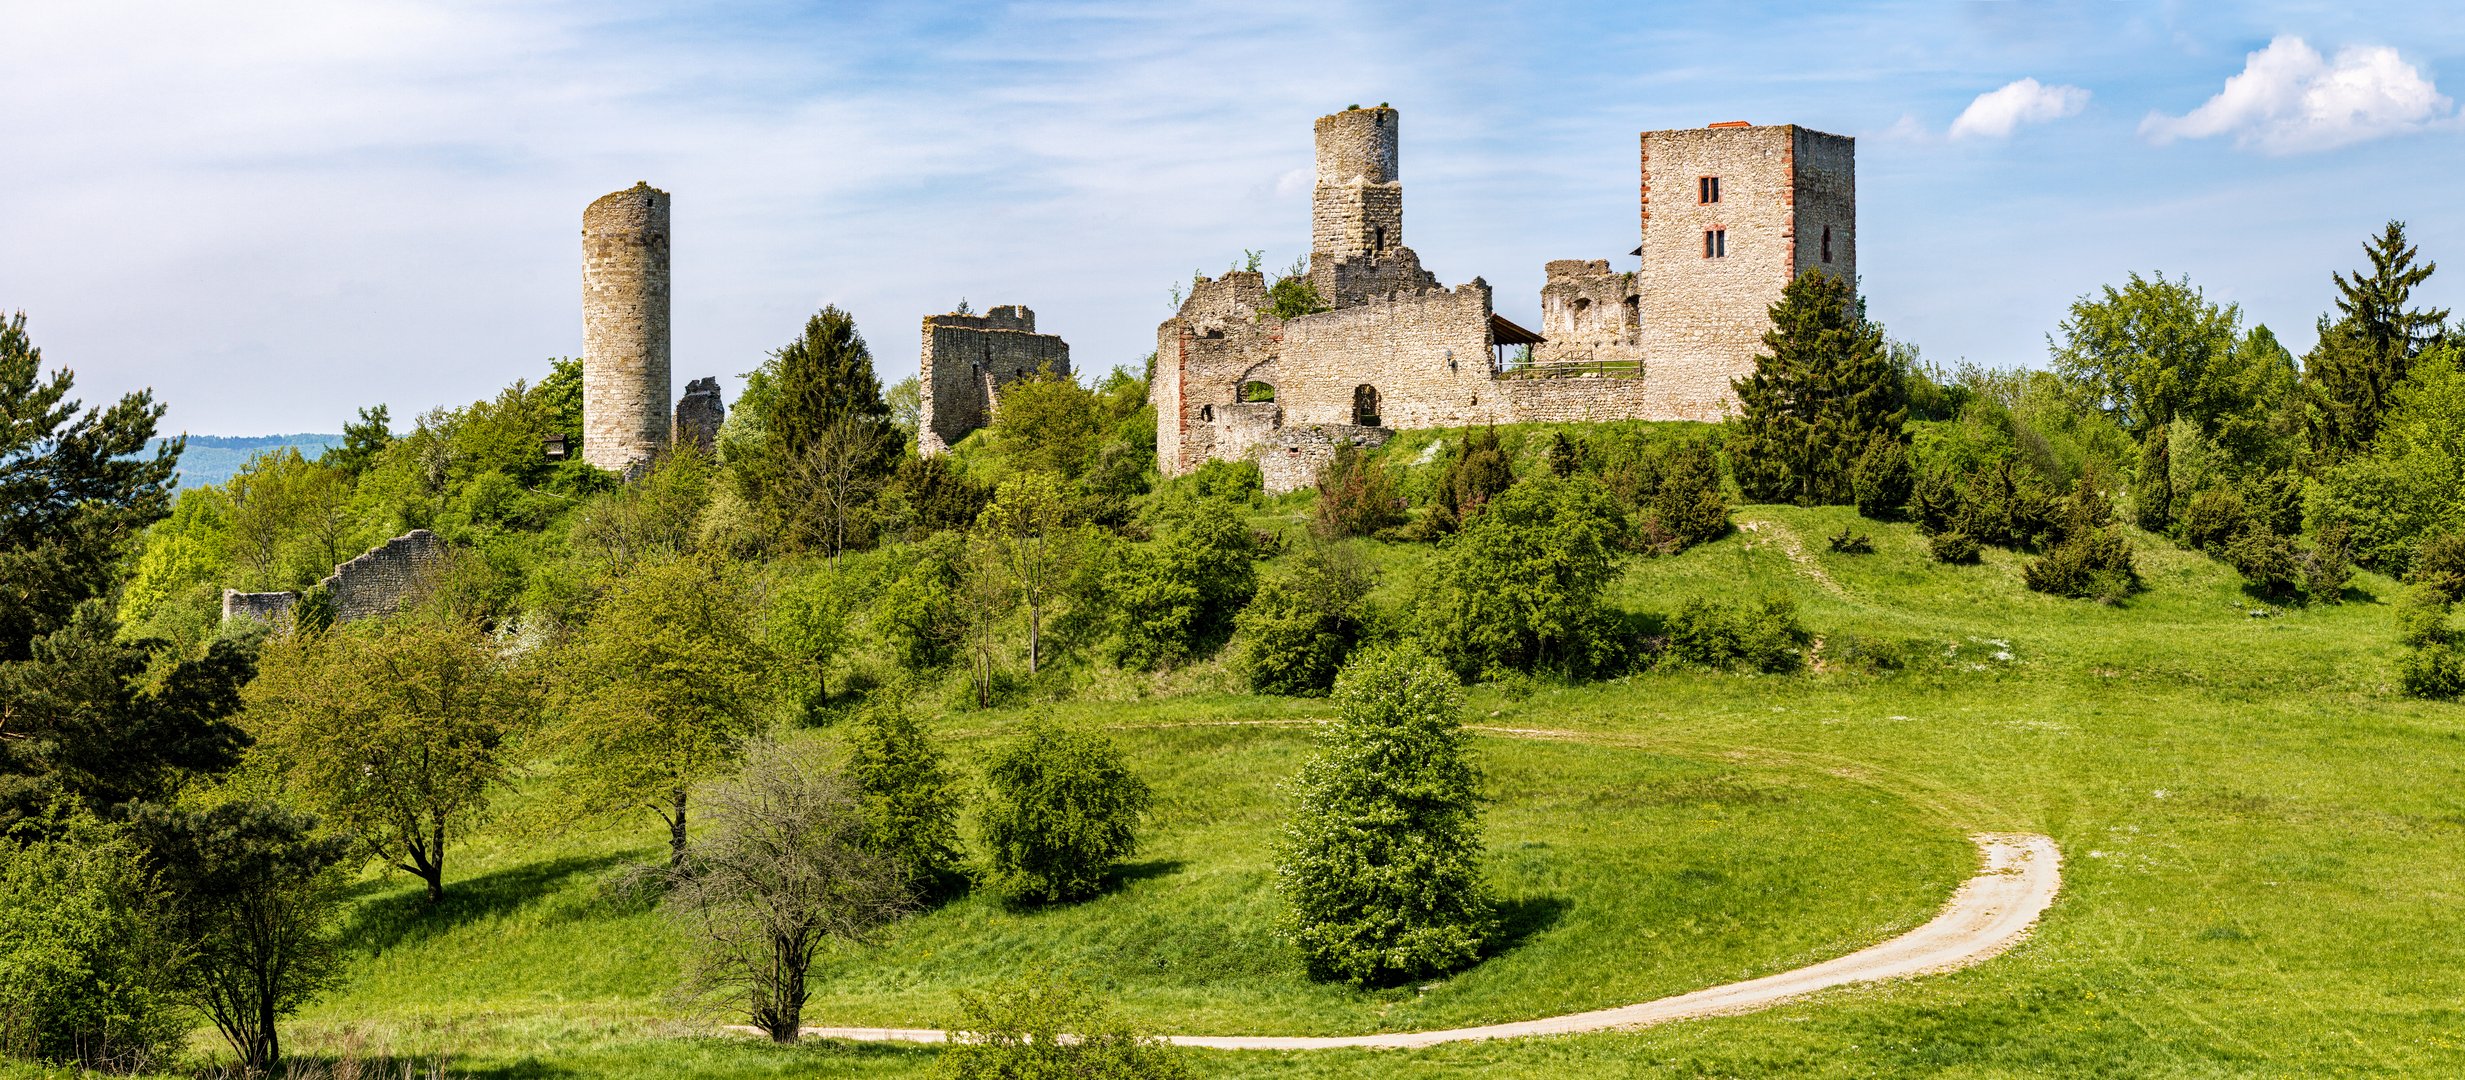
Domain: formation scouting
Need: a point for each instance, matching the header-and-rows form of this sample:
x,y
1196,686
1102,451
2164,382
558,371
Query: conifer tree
x,y
1381,862
825,377
1824,387
2366,352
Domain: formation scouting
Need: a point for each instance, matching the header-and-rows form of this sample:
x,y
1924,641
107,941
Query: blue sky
x,y
276,213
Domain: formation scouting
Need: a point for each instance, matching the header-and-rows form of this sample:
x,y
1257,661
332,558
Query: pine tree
x,y
2367,351
1381,861
1825,388
825,377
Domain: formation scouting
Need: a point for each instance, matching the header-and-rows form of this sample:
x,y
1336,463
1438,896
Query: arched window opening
x,y
1365,405
1206,412
1257,391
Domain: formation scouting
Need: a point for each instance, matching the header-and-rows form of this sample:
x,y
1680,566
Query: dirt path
x,y
1790,545
1991,912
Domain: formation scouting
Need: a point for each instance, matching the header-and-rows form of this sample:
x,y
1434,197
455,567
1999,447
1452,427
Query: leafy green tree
x,y
1028,538
1823,388
291,521
75,490
1380,864
1049,423
1296,633
1063,806
906,401
659,692
363,439
252,889
656,516
806,628
1178,594
782,872
934,497
920,616
397,730
1520,589
86,960
911,800
2404,488
2150,351
1042,1028
174,590
2366,353
104,720
561,394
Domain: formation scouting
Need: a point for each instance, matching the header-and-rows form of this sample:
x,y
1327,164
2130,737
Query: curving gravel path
x,y
1991,912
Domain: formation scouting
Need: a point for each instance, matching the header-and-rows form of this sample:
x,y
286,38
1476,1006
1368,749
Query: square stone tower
x,y
1357,251
966,361
1731,213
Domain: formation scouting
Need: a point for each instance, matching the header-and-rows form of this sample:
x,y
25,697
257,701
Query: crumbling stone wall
x,y
1590,314
1289,458
699,414
387,578
1204,353
269,607
966,361
625,383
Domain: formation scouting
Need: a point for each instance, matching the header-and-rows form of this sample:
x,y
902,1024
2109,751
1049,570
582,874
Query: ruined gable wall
x,y
1704,318
1203,354
625,380
387,578
1589,313
965,362
269,607
1401,346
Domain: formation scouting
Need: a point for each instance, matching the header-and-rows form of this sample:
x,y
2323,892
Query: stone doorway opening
x,y
1365,405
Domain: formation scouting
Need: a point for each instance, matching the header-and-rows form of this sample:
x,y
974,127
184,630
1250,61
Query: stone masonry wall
x,y
270,607
390,576
625,383
1589,313
1289,458
1216,342
699,414
966,361
1426,355
1826,200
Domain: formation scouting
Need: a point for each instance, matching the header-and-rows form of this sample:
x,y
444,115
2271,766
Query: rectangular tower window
x,y
1707,189
1715,243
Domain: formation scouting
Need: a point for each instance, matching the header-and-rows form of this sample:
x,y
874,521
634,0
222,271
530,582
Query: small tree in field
x,y
911,802
660,692
782,872
1380,864
1027,535
394,730
1064,806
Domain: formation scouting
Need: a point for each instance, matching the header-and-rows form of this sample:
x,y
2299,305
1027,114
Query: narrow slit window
x,y
1715,243
1827,243
1707,189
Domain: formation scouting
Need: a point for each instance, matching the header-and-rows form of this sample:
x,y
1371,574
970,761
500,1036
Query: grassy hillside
x,y
2265,858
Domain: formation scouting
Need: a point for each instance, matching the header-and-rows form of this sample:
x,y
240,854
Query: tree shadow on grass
x,y
407,918
1115,880
1521,920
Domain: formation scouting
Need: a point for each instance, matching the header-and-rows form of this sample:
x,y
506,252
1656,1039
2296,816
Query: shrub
x,y
2213,519
1954,547
2328,565
1735,637
1380,863
1477,473
2434,671
1846,543
2007,507
1295,634
2093,565
1687,505
1176,595
2439,564
919,616
1520,589
1048,1029
1935,502
910,800
2268,561
86,960
1356,496
1882,479
1237,482
1063,807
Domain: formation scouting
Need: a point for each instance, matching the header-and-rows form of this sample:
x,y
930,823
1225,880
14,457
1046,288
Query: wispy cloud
x,y
1995,114
2288,99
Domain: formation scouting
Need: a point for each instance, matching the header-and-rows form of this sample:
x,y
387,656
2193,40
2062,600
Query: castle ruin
x,y
1743,209
966,361
382,581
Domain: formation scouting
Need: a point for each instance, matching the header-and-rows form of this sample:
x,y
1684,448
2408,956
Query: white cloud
x,y
2288,99
1996,113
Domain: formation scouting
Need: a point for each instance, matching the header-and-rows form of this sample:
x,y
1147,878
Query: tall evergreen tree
x,y
1823,390
2366,352
825,377
74,490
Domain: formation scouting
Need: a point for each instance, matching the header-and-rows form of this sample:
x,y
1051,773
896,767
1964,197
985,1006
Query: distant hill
x,y
211,459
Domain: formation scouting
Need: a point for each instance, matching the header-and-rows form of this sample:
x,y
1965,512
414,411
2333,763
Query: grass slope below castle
x,y
2265,849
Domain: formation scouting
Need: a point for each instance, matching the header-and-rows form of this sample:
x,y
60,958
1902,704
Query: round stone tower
x,y
625,388
1357,207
